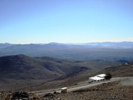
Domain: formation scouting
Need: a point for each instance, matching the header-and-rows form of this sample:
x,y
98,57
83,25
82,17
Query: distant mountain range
x,y
23,65
113,44
101,44
87,51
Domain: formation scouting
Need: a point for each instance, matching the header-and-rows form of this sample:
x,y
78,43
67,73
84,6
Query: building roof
x,y
98,77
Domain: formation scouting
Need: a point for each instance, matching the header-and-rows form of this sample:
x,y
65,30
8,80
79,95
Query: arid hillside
x,y
105,91
117,90
122,70
23,72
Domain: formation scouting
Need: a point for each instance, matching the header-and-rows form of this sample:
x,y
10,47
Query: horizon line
x,y
67,42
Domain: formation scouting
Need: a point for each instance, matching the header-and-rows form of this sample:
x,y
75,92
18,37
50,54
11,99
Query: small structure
x,y
64,90
96,78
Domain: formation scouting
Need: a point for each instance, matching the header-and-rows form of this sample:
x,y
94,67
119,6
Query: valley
x,y
42,67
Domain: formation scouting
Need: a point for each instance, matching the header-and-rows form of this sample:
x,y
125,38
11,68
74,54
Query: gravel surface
x,y
105,91
127,81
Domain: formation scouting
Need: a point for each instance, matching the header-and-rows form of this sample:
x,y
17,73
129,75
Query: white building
x,y
99,77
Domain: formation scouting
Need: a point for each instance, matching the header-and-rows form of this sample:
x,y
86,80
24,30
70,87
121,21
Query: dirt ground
x,y
127,81
105,91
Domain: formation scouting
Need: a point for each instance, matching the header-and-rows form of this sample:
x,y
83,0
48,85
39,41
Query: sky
x,y
65,21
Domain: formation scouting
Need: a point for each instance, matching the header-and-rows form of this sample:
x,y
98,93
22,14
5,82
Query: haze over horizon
x,y
65,21
95,43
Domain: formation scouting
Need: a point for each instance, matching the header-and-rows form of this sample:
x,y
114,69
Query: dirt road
x,y
124,81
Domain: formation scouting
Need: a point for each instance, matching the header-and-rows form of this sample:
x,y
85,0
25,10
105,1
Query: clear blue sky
x,y
65,21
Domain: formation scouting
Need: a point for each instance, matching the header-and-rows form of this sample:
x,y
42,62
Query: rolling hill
x,y
121,70
34,64
21,69
18,71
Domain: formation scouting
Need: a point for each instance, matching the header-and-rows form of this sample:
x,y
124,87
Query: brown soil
x,y
105,91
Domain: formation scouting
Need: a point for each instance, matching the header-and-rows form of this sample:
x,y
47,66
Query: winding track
x,y
86,85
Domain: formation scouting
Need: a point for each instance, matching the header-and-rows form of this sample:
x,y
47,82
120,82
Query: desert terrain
x,y
116,90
